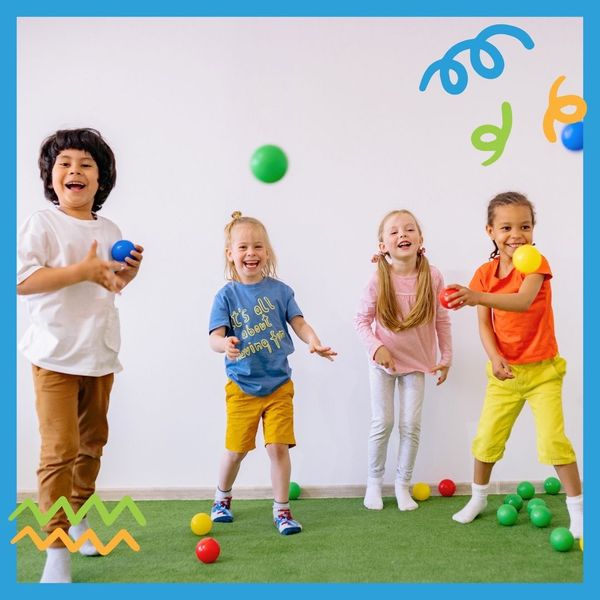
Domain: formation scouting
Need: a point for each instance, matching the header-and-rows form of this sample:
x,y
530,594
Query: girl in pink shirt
x,y
401,324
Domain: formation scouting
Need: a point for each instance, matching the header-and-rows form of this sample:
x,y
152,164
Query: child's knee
x,y
235,457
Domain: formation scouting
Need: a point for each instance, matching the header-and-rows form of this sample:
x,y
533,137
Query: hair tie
x,y
236,214
421,251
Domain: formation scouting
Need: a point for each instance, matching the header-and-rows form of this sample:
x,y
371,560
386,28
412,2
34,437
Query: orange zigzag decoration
x,y
73,546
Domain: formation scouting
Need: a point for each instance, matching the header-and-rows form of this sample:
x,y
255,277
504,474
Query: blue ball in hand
x,y
121,250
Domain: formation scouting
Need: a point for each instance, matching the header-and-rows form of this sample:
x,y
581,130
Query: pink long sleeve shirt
x,y
413,349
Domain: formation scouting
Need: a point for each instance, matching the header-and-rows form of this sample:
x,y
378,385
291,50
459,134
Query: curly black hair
x,y
88,140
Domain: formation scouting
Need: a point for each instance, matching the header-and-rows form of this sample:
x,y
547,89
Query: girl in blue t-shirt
x,y
248,322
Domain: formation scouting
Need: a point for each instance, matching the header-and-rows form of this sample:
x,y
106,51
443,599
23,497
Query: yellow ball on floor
x,y
581,543
421,491
201,524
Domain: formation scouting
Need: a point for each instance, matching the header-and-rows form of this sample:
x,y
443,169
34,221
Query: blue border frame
x,y
11,10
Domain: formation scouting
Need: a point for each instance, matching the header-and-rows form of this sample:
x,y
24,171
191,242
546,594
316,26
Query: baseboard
x,y
265,492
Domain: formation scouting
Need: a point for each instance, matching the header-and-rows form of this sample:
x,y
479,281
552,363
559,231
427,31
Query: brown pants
x,y
72,413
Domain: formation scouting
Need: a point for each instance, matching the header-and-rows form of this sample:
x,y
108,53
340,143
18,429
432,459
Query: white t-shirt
x,y
73,330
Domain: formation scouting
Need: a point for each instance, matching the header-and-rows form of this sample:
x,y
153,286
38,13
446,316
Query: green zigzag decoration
x,y
108,518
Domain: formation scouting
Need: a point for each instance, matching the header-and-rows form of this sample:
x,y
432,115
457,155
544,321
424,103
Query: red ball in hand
x,y
444,296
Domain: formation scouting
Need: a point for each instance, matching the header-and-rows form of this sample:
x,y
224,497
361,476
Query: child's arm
x,y
127,273
500,367
219,343
307,334
91,268
518,302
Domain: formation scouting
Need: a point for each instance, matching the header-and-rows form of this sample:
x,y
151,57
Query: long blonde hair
x,y
387,310
270,267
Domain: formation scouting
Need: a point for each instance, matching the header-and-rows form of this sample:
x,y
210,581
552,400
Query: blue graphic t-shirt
x,y
257,314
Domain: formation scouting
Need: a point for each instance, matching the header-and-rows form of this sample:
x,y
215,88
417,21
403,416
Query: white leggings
x,y
411,387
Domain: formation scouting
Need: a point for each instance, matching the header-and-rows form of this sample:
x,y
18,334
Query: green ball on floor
x,y
526,490
540,516
561,539
552,485
533,503
515,500
507,514
294,490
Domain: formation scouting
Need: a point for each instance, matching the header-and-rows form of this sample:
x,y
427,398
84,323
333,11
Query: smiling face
x,y
400,237
75,182
248,251
511,227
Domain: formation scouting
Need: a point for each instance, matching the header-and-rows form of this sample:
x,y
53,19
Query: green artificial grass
x,y
341,542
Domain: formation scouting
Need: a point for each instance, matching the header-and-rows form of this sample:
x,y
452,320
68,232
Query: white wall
x,y
184,103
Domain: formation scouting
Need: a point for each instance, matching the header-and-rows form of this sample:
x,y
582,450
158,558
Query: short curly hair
x,y
88,140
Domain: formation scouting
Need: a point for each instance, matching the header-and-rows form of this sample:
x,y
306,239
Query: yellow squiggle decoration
x,y
73,546
554,112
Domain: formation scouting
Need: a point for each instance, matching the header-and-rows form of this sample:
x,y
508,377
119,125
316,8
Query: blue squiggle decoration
x,y
476,46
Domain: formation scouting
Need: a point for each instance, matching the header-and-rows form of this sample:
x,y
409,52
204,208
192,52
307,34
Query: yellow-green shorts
x,y
244,412
540,384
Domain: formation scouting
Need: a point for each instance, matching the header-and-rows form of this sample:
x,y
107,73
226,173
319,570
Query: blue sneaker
x,y
285,524
221,511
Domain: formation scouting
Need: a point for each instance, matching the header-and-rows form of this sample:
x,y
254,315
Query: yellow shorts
x,y
538,383
245,411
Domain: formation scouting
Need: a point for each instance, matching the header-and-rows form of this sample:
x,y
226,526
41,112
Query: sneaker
x,y
221,511
285,524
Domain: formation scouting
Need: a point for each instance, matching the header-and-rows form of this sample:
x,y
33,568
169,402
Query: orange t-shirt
x,y
522,337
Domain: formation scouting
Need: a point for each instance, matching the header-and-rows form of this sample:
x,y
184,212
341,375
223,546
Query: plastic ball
x,y
572,136
552,485
527,259
443,297
269,163
208,550
294,490
201,524
121,250
515,500
533,503
526,490
507,514
561,539
421,491
540,516
581,543
446,487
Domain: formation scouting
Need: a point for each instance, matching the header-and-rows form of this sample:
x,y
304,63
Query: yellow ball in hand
x,y
201,524
421,491
527,259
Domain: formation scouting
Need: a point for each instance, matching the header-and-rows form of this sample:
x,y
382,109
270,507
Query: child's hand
x,y
99,271
501,369
126,272
324,351
443,370
230,349
463,297
384,358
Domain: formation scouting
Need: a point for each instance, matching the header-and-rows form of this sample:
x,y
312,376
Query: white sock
x,y
405,502
373,500
58,566
221,495
475,506
277,506
76,531
575,508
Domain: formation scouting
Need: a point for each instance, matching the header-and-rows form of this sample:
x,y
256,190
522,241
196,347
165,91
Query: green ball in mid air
x,y
269,163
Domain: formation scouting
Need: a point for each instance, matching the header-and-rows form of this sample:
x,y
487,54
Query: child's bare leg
x,y
228,470
569,477
281,469
479,489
